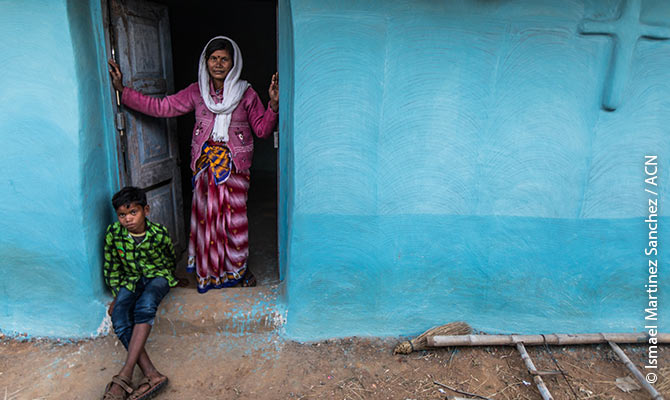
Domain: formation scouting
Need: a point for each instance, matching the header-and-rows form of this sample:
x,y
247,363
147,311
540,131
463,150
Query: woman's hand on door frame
x,y
273,91
116,75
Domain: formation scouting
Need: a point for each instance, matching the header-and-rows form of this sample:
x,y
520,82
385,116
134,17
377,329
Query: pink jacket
x,y
249,114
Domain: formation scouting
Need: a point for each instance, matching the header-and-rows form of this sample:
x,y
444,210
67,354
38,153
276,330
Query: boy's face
x,y
132,216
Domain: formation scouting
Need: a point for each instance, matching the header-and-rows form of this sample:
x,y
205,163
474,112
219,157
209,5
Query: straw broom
x,y
421,343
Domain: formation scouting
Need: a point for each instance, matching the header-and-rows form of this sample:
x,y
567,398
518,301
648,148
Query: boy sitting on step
x,y
139,269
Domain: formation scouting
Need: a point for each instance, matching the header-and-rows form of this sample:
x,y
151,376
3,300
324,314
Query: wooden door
x,y
143,51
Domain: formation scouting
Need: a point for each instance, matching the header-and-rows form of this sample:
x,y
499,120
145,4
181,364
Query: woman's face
x,y
219,64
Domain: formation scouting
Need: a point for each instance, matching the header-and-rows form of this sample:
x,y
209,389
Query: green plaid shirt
x,y
126,262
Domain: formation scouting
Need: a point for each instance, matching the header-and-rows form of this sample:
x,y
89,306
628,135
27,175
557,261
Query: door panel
x,y
142,33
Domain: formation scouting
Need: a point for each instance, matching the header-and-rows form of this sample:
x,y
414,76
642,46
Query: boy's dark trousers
x,y
138,307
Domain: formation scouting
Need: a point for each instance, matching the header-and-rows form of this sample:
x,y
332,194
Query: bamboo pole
x,y
544,392
535,340
636,373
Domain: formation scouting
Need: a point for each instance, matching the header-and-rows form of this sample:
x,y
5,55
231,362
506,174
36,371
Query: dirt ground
x,y
265,366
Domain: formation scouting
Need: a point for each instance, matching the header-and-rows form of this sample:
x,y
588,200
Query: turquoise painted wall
x,y
454,160
56,159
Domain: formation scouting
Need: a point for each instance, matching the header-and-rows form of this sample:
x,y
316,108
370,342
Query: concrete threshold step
x,y
229,311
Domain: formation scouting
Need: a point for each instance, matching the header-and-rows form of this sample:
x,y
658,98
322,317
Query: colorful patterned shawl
x,y
217,158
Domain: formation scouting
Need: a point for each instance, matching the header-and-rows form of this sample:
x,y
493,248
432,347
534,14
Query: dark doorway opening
x,y
252,24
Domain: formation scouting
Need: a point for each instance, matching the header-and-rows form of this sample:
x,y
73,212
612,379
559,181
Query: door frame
x,y
121,158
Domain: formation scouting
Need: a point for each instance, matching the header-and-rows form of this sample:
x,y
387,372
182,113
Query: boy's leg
x,y
123,315
145,311
135,348
123,321
146,365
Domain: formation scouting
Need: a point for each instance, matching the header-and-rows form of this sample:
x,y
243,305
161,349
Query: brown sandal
x,y
125,385
151,391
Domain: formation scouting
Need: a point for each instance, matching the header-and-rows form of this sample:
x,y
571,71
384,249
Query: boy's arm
x,y
169,253
165,249
112,265
170,259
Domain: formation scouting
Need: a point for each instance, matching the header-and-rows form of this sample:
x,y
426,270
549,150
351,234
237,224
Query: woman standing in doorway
x,y
226,109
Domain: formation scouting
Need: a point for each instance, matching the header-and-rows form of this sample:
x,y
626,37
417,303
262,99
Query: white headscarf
x,y
233,90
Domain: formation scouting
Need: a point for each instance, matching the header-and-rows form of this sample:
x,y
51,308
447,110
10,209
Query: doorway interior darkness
x,y
252,24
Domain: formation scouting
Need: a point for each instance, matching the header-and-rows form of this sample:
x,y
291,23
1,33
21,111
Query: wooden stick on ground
x,y
534,340
636,373
461,391
544,392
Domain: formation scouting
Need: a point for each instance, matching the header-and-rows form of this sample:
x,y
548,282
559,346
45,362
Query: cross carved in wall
x,y
625,31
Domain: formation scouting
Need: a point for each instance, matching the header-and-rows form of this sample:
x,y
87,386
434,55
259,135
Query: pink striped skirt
x,y
219,241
